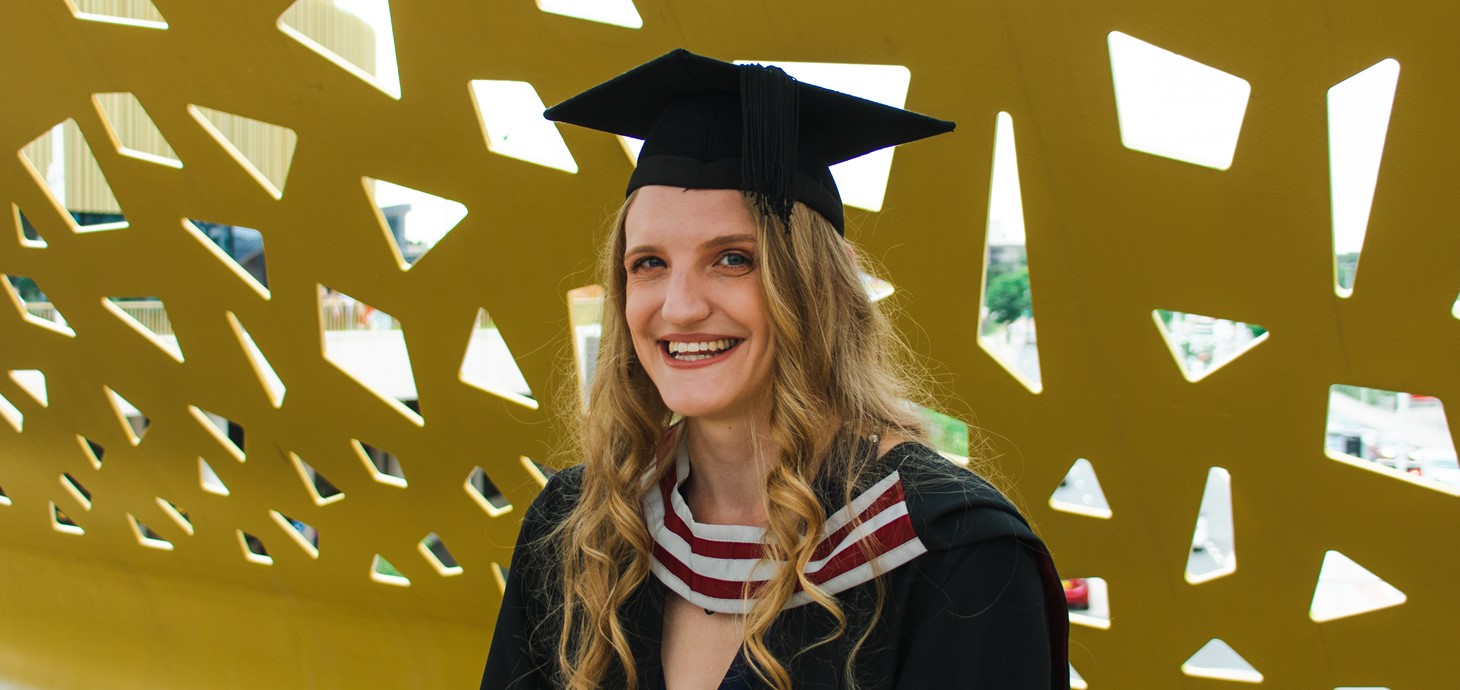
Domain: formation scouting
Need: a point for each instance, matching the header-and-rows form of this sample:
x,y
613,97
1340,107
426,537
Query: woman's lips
x,y
692,360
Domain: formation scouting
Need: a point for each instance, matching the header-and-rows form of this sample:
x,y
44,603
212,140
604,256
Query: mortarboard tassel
x,y
770,122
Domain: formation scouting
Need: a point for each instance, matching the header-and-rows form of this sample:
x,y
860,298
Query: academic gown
x,y
979,606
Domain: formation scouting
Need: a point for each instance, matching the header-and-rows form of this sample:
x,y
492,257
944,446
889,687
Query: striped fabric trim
x,y
719,567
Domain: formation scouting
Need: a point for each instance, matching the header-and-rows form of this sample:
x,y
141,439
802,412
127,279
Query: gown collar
x,y
722,567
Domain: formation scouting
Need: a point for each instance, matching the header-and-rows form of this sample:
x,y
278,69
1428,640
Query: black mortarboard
x,y
708,124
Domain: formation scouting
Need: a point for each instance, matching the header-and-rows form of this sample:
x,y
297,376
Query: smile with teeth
x,y
696,351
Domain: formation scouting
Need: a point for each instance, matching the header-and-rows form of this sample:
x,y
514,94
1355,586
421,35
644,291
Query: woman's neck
x,y
729,463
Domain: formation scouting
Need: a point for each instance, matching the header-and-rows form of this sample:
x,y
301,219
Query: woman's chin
x,y
691,406
688,410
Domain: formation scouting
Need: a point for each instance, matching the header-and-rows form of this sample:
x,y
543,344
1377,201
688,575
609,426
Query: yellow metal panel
x,y
1112,235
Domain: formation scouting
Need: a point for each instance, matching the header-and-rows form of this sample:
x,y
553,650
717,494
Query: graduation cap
x,y
708,124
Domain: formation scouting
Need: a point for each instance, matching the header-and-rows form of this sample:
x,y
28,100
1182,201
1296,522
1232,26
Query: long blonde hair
x,y
840,374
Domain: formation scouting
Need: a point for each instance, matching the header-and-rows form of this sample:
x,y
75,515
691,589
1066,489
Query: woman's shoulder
x,y
950,505
922,468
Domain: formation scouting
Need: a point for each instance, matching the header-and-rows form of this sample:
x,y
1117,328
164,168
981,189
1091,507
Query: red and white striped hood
x,y
719,567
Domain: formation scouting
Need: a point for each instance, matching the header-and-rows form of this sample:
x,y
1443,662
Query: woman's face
x,y
694,304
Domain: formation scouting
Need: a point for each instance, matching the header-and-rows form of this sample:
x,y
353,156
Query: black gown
x,y
982,607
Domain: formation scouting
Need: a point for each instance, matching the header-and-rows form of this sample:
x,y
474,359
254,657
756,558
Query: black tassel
x,y
770,124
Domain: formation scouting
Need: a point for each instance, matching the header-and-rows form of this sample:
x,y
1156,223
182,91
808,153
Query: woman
x,y
755,508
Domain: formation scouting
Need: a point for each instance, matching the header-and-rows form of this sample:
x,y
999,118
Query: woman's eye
x,y
735,260
646,262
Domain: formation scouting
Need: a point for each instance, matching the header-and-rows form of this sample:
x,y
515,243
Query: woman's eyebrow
x,y
720,241
723,240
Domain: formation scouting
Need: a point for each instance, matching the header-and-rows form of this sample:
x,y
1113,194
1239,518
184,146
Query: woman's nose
x,y
686,300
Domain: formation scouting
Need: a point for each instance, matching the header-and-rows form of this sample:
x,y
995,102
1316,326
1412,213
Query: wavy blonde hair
x,y
841,374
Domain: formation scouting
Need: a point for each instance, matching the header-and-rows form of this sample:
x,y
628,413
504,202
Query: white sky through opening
x,y
1358,119
615,12
1172,106
1006,203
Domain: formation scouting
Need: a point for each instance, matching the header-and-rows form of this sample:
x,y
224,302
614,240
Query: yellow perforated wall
x,y
96,600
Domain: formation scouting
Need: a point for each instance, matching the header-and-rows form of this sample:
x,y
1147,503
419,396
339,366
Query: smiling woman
x,y
756,506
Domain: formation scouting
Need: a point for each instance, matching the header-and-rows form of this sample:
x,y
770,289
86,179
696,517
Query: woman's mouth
x,y
699,350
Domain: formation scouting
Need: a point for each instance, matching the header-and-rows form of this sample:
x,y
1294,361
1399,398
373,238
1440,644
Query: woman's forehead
x,y
672,214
